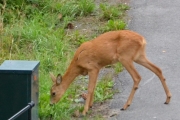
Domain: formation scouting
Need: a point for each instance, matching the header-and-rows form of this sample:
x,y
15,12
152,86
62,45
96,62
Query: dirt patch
x,y
90,25
100,111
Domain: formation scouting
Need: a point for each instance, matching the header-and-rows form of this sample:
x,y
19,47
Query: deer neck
x,y
69,76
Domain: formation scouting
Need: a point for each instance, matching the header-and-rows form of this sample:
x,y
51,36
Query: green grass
x,y
118,68
114,25
104,89
31,30
113,12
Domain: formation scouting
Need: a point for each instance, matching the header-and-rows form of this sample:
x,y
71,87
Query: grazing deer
x,y
122,46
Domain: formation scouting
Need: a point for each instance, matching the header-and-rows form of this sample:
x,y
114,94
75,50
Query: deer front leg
x,y
136,78
91,86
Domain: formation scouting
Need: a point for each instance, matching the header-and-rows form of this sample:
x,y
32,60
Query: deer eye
x,y
53,94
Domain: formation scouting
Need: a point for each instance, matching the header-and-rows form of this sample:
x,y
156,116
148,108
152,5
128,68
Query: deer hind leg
x,y
142,60
136,78
91,86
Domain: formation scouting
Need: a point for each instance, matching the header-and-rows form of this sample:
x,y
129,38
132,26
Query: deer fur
x,y
122,46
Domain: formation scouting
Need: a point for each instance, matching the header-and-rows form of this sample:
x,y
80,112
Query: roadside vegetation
x,y
43,30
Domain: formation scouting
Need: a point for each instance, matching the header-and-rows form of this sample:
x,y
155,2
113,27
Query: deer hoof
x,y
122,109
81,116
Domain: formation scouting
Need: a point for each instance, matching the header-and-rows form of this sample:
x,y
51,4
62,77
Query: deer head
x,y
57,90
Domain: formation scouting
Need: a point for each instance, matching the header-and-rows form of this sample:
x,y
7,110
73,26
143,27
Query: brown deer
x,y
122,46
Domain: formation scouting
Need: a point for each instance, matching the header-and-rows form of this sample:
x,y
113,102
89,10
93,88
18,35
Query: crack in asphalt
x,y
146,82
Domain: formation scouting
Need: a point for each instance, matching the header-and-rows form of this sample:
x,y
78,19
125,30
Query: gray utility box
x,y
18,87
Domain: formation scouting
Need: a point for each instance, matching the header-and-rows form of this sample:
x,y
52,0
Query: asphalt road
x,y
159,22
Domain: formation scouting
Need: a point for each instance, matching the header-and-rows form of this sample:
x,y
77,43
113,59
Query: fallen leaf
x,y
114,112
84,96
80,100
59,16
76,113
70,26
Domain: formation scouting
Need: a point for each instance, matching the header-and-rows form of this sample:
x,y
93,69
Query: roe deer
x,y
116,46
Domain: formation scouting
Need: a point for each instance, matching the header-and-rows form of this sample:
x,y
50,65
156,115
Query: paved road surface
x,y
159,22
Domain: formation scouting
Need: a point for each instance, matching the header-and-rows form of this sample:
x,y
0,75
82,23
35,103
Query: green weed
x,y
86,7
104,89
109,12
123,7
113,12
118,68
114,25
77,38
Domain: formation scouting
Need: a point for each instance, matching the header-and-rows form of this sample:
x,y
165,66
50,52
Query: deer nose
x,y
51,104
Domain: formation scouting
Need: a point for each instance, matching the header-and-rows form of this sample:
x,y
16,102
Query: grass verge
x,y
35,30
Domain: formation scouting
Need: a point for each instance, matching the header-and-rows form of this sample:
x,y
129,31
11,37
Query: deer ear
x,y
58,79
52,77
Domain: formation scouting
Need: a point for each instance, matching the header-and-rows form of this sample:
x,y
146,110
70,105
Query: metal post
x,y
29,106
